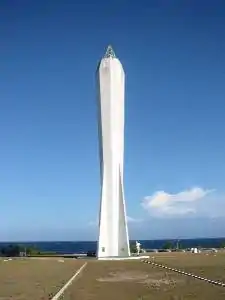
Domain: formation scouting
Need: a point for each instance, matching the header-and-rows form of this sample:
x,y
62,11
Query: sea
x,y
82,246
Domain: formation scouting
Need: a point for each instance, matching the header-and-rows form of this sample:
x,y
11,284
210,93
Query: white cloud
x,y
133,220
93,223
182,203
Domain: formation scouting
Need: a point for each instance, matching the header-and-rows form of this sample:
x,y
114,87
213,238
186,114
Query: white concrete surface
x,y
113,238
123,258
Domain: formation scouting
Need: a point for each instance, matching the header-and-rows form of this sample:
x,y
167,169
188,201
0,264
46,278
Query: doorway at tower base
x,y
123,258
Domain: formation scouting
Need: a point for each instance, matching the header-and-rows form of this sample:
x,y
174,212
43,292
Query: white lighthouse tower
x,y
113,233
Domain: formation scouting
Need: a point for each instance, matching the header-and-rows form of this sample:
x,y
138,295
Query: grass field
x,y
133,280
211,265
34,279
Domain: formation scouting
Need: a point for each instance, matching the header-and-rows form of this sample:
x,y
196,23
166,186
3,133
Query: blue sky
x,y
173,54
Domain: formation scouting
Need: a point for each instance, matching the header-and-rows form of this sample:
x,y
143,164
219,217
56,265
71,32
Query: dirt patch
x,y
139,277
122,276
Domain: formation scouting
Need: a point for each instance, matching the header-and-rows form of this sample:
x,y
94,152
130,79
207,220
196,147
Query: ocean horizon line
x,y
95,241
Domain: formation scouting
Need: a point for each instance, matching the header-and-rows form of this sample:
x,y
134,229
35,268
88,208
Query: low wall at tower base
x,y
122,258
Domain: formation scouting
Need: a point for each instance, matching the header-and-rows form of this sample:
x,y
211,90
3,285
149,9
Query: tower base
x,y
123,258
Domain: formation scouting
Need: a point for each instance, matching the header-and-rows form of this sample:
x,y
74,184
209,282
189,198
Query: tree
x,y
168,245
222,245
32,251
133,248
180,246
11,250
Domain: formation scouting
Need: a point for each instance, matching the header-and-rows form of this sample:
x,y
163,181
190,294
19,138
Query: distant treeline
x,y
15,250
10,250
